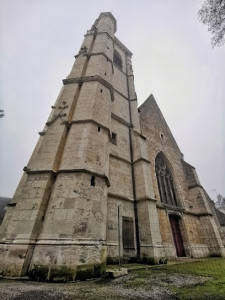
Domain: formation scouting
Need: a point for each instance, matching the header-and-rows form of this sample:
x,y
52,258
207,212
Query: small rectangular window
x,y
92,180
99,128
128,233
114,138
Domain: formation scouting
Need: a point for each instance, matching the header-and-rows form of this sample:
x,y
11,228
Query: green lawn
x,y
213,288
190,280
203,279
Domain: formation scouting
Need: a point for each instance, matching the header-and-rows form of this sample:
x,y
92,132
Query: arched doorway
x,y
177,237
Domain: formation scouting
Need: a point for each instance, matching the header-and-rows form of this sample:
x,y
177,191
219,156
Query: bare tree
x,y
1,113
212,14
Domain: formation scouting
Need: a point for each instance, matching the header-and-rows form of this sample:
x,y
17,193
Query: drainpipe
x,y
132,171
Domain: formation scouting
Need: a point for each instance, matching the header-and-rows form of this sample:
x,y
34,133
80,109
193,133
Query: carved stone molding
x,y
98,78
120,120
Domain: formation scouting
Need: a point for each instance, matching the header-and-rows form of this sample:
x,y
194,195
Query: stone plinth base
x,y
117,273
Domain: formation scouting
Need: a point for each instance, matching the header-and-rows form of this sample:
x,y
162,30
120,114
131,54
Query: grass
x,y
192,280
213,288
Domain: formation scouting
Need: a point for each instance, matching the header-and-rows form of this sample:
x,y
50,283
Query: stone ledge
x,y
81,80
117,273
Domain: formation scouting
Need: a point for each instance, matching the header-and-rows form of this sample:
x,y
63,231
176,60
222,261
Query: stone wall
x,y
198,228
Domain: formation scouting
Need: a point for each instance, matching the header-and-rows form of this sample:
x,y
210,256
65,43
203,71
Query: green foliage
x,y
212,14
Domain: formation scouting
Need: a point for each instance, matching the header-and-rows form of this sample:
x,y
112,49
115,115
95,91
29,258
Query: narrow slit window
x,y
92,180
114,138
99,128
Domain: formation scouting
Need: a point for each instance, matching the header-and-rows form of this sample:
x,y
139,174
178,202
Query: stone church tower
x,y
96,153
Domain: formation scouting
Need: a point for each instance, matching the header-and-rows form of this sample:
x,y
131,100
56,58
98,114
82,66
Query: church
x,y
106,179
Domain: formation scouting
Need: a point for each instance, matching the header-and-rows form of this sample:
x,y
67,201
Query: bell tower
x,y
90,158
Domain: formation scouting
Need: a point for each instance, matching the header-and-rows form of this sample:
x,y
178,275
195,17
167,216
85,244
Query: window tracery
x,y
165,181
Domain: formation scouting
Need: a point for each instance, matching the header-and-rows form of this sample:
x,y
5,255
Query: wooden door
x,y
174,223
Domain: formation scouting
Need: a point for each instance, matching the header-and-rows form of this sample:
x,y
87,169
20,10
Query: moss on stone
x,y
124,260
112,260
99,269
39,273
148,260
85,271
61,273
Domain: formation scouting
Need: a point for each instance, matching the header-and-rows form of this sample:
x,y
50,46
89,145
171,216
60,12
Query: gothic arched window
x,y
165,181
117,59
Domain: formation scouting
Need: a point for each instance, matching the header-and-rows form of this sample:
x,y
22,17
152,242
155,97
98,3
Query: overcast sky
x,y
172,59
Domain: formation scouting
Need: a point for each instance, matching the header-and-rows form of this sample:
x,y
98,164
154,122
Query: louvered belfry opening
x,y
117,59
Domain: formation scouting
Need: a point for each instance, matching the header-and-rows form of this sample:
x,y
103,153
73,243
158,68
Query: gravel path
x,y
136,285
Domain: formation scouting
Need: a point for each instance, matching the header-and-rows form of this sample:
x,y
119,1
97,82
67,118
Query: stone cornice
x,y
98,78
120,120
103,54
142,159
118,196
80,80
115,40
74,170
59,242
182,210
140,134
141,199
127,161
122,47
203,214
170,207
91,121
195,186
86,170
42,171
125,97
120,158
